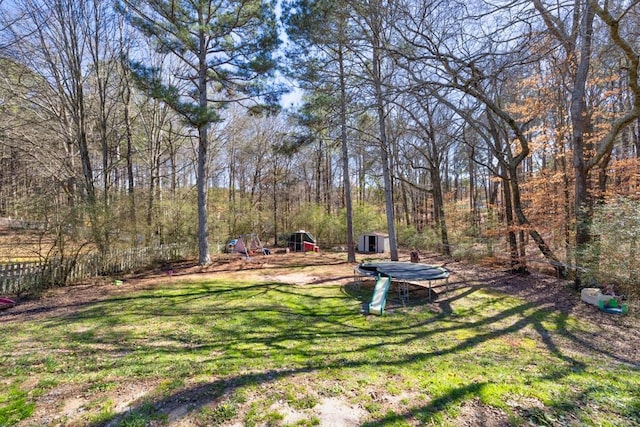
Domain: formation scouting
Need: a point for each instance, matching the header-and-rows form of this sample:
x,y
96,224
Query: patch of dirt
x,y
608,335
66,405
474,413
330,411
334,412
290,416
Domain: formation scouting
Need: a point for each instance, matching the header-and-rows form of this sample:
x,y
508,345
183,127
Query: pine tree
x,y
218,51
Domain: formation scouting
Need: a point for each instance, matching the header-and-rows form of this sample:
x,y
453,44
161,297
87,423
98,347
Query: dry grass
x,y
23,245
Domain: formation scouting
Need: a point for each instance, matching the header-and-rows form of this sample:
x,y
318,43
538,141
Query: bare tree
x,y
52,39
441,52
576,40
429,122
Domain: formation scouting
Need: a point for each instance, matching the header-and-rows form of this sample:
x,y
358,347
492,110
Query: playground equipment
x,y
404,270
379,297
404,273
6,303
248,245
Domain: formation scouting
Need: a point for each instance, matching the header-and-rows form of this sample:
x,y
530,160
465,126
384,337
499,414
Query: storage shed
x,y
302,241
373,243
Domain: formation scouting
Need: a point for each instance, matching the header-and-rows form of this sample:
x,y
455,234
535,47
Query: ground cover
x,y
281,340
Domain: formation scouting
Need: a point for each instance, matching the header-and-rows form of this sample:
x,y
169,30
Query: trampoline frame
x,y
413,272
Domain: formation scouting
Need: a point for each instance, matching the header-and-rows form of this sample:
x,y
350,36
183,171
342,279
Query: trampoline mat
x,y
403,270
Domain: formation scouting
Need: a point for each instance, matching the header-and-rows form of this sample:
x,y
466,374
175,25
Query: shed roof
x,y
375,233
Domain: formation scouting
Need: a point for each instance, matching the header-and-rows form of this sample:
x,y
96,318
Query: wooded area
x,y
473,128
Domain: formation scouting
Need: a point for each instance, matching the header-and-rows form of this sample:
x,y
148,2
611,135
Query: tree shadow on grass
x,y
446,409
235,263
312,320
428,413
210,394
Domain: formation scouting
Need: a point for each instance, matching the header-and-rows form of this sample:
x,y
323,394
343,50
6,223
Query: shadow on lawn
x,y
31,305
235,263
308,321
427,412
326,358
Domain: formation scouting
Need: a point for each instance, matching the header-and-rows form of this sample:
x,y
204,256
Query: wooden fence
x,y
20,278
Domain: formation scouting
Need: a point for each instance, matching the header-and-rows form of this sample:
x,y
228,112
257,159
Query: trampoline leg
x,y
403,292
357,280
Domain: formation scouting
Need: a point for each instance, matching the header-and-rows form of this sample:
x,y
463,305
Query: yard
x,y
281,340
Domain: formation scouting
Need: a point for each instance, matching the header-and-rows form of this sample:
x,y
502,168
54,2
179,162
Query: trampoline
x,y
404,273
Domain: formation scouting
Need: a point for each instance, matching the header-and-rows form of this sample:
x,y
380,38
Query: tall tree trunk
x,y
510,164
579,123
346,176
514,257
203,147
473,202
275,199
404,197
150,205
438,207
385,149
566,191
561,269
126,101
201,182
362,173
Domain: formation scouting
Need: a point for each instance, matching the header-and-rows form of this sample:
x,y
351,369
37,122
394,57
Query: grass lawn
x,y
240,350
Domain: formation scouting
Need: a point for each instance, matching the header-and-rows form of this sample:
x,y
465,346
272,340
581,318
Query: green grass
x,y
240,351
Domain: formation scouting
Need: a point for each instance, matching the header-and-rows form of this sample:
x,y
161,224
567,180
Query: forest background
x,y
477,129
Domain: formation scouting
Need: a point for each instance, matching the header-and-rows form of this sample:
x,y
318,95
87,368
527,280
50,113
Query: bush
x,y
409,237
613,254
